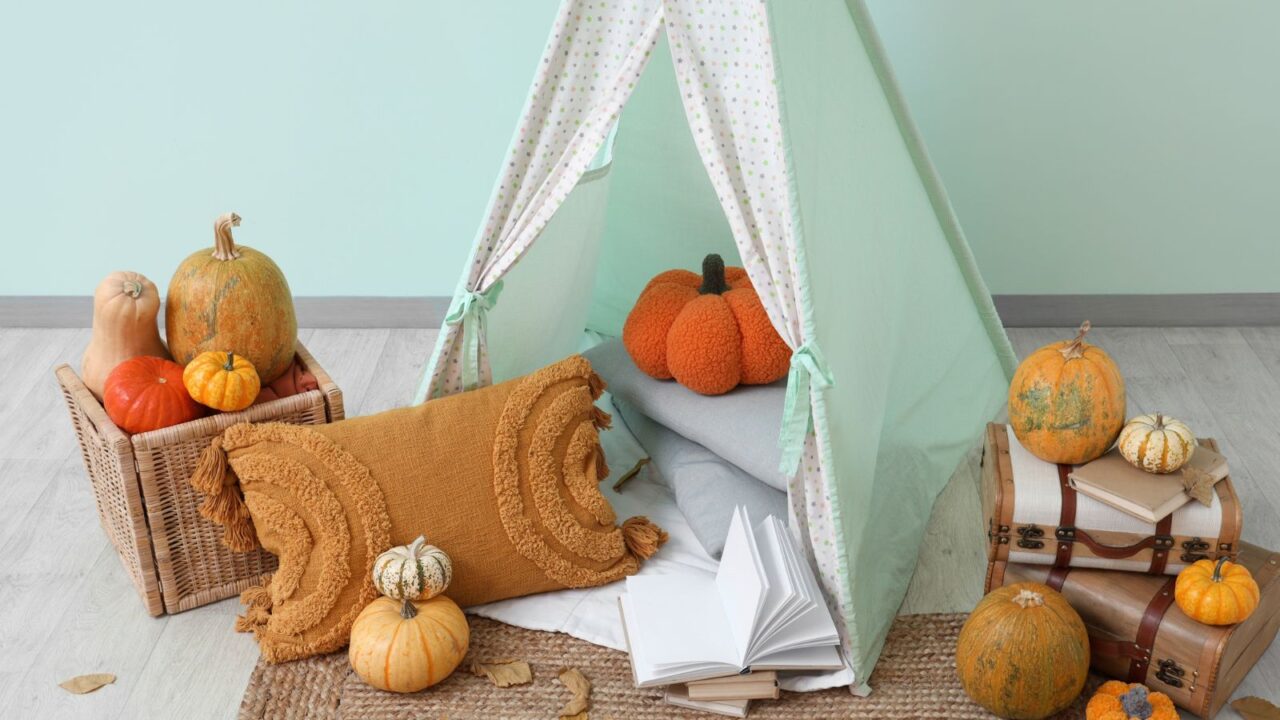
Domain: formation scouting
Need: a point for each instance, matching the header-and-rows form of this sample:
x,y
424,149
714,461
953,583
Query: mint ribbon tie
x,y
808,370
470,309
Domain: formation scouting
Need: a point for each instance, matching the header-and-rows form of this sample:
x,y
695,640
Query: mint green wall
x,y
1088,146
359,141
1101,146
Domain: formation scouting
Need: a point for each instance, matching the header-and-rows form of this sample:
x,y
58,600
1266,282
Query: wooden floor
x,y
67,608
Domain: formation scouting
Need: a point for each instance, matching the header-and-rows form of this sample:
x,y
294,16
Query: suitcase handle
x,y
1113,552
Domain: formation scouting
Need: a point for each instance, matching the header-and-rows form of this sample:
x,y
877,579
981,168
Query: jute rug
x,y
915,678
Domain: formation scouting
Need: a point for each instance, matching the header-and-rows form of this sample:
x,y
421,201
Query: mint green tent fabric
x,y
885,283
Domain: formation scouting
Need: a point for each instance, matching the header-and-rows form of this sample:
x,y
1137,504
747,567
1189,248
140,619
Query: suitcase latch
x,y
997,534
1195,550
1170,673
1028,537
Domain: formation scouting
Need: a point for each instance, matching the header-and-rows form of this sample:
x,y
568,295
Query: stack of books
x,y
718,641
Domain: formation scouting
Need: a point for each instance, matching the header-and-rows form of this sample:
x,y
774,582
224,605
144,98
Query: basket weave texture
x,y
147,506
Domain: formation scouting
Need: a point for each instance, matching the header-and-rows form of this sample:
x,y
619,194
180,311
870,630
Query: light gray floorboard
x,y
66,606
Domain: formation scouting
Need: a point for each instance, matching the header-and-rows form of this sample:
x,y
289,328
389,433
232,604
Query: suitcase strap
x,y
1139,651
1068,534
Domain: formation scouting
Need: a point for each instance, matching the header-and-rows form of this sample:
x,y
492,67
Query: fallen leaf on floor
x,y
503,673
1255,708
580,686
82,684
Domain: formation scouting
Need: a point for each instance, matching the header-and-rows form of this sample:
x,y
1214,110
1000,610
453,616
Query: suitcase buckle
x,y
1170,673
1065,533
1162,542
1195,550
1028,537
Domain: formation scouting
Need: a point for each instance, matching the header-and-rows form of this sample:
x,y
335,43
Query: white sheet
x,y
591,614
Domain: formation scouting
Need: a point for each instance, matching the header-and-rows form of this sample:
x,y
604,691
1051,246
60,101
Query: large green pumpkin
x,y
1023,653
232,298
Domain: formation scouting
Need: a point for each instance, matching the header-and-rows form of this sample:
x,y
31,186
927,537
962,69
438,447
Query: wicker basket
x,y
147,506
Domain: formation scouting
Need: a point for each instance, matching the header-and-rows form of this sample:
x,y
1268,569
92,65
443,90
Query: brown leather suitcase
x,y
1043,520
1138,634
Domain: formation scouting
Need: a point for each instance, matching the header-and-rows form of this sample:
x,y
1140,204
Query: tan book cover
x,y
1146,496
761,685
678,695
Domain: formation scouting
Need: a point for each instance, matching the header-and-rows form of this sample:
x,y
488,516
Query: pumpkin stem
x,y
224,247
132,288
713,276
231,362
415,547
408,611
1159,421
1217,569
1028,598
1075,348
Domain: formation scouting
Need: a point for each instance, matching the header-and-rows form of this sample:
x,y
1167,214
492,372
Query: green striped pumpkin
x,y
416,571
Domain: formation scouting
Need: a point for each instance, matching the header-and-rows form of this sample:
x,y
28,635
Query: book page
x,y
677,621
783,597
741,582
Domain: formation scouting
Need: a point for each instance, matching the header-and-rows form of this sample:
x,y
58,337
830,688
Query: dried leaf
x,y
580,686
503,673
1255,708
82,684
1198,484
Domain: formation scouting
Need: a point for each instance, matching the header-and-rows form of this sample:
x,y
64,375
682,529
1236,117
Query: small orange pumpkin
x,y
222,380
408,646
1066,401
710,332
1023,653
1217,593
1116,700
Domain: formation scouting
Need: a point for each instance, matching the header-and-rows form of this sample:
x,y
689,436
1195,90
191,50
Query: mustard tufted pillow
x,y
504,479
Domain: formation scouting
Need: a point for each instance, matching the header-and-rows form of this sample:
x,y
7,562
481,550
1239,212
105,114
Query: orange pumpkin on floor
x,y
1023,653
1116,700
408,646
1066,401
146,393
710,332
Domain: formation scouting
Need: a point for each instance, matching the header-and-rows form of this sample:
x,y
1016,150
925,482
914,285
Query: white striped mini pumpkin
x,y
416,571
1156,444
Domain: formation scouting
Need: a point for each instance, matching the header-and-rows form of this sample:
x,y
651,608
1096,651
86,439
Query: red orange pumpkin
x,y
710,332
146,393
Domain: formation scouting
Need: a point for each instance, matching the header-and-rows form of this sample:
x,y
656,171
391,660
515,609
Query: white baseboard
x,y
1015,310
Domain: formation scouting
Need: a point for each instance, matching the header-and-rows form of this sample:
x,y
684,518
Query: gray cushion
x,y
740,426
706,486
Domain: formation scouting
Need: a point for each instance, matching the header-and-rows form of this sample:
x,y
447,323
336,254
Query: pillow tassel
x,y
596,384
642,537
223,503
601,419
258,612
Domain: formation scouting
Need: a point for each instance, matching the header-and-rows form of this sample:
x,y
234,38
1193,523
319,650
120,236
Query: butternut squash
x,y
125,306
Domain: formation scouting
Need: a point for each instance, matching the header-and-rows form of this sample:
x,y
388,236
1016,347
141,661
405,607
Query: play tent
x,y
773,133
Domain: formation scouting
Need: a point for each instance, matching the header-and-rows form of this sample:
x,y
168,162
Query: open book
x,y
762,610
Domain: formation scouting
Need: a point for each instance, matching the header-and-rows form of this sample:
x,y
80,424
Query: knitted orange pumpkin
x,y
1116,700
709,332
